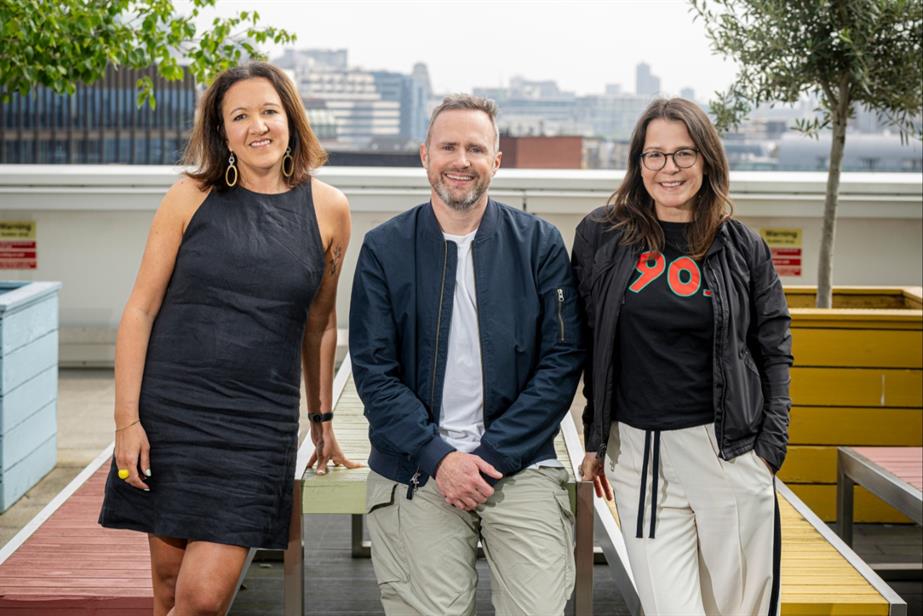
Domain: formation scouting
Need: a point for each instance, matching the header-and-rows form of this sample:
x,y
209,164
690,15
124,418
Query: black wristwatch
x,y
320,417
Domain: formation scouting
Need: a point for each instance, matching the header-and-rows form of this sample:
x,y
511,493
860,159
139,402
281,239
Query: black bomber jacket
x,y
528,325
752,337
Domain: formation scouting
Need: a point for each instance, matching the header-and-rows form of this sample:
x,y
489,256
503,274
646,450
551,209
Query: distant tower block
x,y
646,83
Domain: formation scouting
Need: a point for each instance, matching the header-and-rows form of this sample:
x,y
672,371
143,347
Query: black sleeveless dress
x,y
221,388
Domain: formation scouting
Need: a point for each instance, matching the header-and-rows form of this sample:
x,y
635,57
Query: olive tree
x,y
61,43
845,53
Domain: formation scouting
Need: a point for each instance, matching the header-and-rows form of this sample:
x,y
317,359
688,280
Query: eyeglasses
x,y
682,158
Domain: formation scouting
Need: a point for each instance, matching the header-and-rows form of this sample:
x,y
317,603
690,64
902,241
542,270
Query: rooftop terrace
x,y
92,222
336,583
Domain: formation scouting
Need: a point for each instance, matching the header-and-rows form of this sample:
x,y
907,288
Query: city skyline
x,y
583,45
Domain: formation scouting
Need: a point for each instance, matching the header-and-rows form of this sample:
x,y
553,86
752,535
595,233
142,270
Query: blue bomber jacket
x,y
531,347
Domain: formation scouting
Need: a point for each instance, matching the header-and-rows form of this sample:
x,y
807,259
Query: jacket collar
x,y
430,226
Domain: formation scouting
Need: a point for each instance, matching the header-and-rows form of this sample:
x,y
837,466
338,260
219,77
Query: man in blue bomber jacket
x,y
466,351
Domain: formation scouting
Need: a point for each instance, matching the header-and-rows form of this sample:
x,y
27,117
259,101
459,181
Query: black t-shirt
x,y
665,339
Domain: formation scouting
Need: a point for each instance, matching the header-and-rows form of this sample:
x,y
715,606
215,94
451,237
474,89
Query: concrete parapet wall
x,y
92,222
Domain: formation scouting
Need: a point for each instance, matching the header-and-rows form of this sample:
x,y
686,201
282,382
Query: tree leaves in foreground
x,y
843,52
60,43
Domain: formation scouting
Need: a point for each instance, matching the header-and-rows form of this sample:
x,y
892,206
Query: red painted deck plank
x,y
903,462
72,566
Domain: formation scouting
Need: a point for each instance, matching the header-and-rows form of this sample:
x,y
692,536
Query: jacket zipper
x,y
413,485
445,264
415,480
477,310
561,311
598,418
719,316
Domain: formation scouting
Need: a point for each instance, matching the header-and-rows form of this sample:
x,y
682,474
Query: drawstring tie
x,y
655,470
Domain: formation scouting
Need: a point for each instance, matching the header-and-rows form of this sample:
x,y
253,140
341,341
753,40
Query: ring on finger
x,y
124,474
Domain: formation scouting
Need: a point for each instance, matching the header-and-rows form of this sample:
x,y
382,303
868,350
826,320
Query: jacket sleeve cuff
x,y
432,454
495,459
773,456
591,440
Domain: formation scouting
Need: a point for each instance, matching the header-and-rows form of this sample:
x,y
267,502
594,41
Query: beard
x,y
459,202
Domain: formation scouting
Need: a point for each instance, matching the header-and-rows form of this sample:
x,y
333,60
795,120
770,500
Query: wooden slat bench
x,y
342,491
820,573
894,474
64,564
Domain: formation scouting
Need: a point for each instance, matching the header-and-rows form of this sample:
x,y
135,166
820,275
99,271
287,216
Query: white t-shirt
x,y
462,421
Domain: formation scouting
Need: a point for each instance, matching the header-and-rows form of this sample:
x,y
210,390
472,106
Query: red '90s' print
x,y
683,275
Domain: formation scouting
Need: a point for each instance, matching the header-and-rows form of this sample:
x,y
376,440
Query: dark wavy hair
x,y
631,208
207,151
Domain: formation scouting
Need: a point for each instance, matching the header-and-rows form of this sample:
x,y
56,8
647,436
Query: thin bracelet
x,y
128,426
321,417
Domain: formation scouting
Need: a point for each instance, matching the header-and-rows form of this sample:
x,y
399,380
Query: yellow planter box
x,y
857,380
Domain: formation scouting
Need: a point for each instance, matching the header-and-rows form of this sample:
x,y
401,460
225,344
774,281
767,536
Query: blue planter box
x,y
28,385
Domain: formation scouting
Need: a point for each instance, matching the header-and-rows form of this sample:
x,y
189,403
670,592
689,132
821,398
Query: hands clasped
x,y
458,479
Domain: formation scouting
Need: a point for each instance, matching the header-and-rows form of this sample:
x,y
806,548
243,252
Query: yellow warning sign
x,y
18,249
785,245
17,230
782,237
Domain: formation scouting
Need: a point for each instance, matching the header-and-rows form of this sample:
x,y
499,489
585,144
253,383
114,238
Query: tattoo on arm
x,y
335,256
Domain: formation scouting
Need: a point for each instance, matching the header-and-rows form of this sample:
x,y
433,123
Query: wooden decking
x,y
816,578
70,566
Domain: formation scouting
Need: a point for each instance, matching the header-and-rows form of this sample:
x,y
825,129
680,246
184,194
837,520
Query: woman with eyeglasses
x,y
687,379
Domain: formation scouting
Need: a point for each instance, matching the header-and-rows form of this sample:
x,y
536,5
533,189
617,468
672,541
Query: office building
x,y
372,109
412,92
99,123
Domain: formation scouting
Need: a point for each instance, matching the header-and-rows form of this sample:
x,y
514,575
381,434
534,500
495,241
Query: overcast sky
x,y
582,45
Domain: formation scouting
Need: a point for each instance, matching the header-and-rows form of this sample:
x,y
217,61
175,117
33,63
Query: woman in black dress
x,y
688,373
236,290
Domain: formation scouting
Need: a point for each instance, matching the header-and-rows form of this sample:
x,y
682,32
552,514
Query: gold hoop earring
x,y
288,161
227,172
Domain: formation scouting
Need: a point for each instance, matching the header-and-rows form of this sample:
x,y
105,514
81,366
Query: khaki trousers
x,y
713,549
424,551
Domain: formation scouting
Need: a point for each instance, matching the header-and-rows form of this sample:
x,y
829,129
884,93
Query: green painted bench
x,y
342,491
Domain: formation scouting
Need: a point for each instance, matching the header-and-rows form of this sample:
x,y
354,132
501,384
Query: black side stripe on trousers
x,y
776,554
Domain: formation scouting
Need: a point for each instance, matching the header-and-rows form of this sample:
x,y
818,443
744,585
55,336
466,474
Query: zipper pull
x,y
560,296
413,485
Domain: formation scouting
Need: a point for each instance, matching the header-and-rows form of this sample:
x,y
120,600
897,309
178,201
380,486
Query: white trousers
x,y
712,546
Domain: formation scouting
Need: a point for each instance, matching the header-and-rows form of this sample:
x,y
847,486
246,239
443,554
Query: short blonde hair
x,y
467,101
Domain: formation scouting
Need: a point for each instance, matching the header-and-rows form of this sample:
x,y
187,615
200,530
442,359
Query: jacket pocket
x,y
560,302
745,400
747,358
